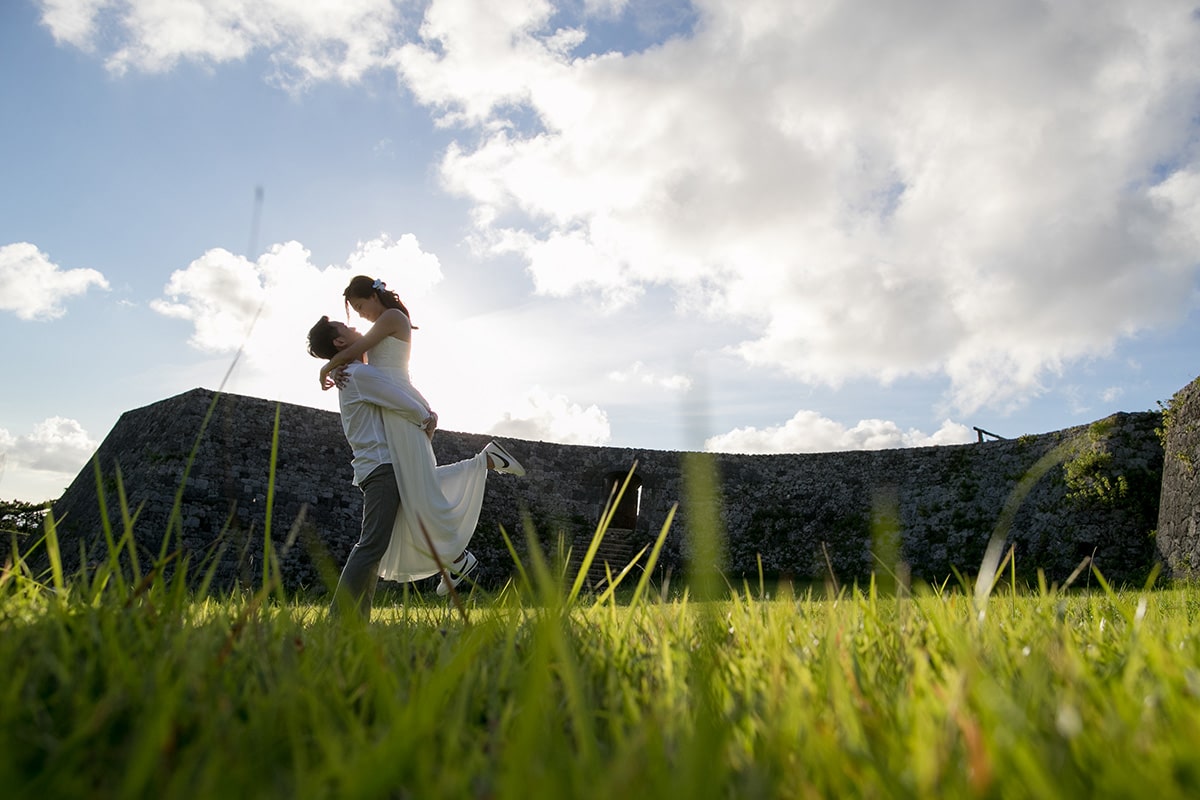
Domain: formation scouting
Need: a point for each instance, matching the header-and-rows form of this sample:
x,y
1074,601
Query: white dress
x,y
447,499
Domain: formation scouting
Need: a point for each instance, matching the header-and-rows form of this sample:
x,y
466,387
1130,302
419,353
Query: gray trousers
x,y
381,503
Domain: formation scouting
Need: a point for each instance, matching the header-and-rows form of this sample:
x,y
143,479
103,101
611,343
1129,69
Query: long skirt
x,y
446,500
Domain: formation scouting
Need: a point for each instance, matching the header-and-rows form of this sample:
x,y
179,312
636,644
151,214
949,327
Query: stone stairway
x,y
615,550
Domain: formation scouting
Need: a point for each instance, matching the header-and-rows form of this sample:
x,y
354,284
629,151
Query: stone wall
x,y
1179,513
805,515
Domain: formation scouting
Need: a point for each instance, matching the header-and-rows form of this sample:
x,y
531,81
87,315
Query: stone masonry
x,y
196,468
1179,511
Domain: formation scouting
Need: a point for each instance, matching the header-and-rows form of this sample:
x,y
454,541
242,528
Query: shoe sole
x,y
509,461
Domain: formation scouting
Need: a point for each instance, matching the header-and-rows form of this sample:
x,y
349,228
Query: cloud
x,y
308,41
983,193
467,371
809,432
416,271
265,307
56,444
40,464
34,287
72,21
221,294
545,417
639,373
978,191
472,57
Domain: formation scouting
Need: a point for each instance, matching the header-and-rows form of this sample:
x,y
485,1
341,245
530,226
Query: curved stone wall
x,y
1058,497
1179,513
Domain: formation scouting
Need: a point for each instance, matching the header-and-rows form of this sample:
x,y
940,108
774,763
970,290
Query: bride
x,y
444,500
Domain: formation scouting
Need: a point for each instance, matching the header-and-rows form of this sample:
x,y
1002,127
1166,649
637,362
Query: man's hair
x,y
320,339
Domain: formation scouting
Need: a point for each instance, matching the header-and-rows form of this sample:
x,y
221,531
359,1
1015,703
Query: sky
x,y
731,225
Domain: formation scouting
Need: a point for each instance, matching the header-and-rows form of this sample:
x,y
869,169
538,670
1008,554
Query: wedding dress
x,y
447,499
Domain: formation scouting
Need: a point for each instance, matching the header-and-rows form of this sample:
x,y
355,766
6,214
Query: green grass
x,y
116,687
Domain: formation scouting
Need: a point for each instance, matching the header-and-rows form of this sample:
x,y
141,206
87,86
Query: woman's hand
x,y
430,425
334,376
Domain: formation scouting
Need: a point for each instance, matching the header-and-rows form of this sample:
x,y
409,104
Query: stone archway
x,y
626,515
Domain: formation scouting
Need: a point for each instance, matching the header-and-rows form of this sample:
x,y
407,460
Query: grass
x,y
123,688
133,680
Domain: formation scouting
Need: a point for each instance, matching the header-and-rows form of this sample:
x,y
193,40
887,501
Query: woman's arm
x,y
390,322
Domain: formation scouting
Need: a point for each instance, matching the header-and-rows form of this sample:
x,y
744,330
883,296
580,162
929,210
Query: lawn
x,y
130,682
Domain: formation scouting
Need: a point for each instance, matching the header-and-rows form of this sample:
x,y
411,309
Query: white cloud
x,y
34,287
309,40
266,307
414,271
545,417
809,432
640,373
982,191
39,465
72,21
57,445
385,148
475,56
610,8
220,293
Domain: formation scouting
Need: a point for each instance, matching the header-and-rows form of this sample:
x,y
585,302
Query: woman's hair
x,y
362,287
320,339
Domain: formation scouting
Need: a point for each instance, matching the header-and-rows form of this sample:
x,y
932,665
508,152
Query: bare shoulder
x,y
395,319
394,322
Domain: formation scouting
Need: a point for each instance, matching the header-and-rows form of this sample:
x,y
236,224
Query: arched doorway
x,y
626,515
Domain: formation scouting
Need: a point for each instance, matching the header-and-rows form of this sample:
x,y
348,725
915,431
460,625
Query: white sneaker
x,y
502,460
460,569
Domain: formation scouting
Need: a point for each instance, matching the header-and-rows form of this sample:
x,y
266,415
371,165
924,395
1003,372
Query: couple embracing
x,y
410,504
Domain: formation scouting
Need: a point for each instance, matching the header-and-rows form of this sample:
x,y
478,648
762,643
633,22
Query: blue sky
x,y
755,226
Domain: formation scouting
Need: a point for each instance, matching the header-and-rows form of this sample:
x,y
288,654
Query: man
x,y
363,393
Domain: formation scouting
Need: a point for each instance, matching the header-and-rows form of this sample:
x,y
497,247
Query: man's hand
x,y
430,425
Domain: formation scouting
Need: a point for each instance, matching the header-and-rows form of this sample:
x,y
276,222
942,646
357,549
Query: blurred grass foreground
x,y
132,679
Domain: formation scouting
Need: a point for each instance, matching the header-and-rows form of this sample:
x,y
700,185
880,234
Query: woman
x,y
445,501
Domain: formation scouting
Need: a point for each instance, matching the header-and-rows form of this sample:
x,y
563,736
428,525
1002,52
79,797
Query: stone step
x,y
614,549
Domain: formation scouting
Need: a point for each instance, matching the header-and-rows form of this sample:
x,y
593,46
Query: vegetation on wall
x,y
1170,418
1094,477
1090,475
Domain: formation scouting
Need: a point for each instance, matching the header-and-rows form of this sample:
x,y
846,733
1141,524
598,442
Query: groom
x,y
363,394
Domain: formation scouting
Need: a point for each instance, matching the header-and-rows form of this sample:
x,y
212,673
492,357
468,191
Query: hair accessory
x,y
378,285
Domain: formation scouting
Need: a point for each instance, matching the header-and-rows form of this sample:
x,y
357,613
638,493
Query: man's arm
x,y
376,388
